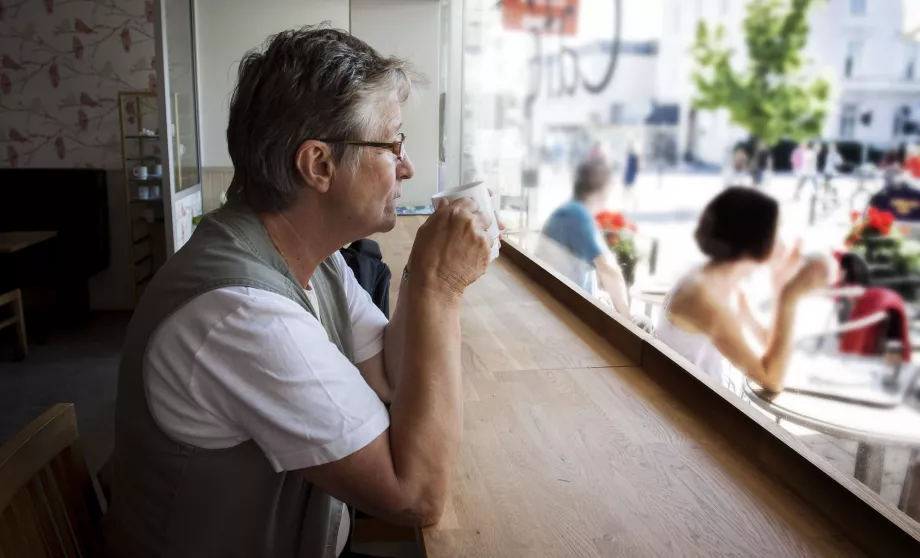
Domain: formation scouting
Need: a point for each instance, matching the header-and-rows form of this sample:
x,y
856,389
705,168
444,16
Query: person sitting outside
x,y
255,371
572,243
705,315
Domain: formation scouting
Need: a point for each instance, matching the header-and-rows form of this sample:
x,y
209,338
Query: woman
x,y
706,313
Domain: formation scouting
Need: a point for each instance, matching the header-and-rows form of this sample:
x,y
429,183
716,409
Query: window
x,y
848,121
854,55
858,7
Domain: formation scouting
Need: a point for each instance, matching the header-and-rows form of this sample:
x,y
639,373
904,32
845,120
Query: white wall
x,y
226,30
410,29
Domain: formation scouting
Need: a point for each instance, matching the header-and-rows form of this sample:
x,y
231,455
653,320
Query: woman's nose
x,y
405,169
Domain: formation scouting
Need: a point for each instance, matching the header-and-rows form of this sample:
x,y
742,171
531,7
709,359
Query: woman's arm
x,y
725,330
750,320
723,327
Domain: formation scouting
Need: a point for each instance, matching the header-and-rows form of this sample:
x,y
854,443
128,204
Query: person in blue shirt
x,y
572,244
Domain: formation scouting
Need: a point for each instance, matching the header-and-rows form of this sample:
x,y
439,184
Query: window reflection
x,y
783,259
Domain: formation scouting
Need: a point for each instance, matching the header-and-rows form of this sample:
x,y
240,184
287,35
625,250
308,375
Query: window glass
x,y
661,157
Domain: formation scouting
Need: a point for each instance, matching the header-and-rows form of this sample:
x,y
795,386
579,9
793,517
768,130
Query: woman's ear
x,y
315,165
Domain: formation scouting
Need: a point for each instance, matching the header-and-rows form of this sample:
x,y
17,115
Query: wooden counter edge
x,y
860,514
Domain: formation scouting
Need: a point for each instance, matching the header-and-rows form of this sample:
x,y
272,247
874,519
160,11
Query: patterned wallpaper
x,y
62,64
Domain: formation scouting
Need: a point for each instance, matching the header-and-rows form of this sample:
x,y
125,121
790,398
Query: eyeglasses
x,y
395,147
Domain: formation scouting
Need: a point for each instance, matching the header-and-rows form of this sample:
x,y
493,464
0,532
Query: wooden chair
x,y
48,506
14,298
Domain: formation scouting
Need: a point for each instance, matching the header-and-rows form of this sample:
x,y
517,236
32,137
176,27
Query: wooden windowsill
x,y
860,513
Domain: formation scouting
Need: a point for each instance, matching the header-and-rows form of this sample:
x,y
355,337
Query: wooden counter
x,y
571,449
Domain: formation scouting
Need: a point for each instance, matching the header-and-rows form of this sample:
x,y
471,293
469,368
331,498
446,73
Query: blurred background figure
x,y
737,172
891,159
833,162
912,161
762,163
572,244
808,169
706,315
632,166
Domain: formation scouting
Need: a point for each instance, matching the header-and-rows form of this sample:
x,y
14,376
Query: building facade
x,y
860,46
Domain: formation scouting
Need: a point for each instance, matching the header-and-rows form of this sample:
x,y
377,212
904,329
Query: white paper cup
x,y
480,193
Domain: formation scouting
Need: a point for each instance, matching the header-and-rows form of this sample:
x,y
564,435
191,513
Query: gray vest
x,y
170,499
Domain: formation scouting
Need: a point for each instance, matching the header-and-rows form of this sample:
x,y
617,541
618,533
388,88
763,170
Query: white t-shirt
x,y
237,363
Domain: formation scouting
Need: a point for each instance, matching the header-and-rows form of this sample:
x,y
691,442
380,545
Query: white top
x,y
695,347
810,162
237,363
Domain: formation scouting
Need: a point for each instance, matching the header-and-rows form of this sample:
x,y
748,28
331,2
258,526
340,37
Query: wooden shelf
x,y
148,200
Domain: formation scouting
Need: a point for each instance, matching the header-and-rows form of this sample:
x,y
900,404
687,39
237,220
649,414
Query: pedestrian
x,y
832,163
762,164
632,165
808,171
737,173
631,173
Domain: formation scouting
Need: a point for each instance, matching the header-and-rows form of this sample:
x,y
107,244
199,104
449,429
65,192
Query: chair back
x,y
48,506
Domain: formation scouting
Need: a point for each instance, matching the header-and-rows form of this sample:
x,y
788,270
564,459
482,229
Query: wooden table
x,y
12,242
569,449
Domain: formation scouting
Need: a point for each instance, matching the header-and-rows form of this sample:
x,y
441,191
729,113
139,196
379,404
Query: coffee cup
x,y
478,192
158,170
140,172
143,192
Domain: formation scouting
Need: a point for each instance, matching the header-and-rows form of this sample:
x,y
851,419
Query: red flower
x,y
632,227
854,216
618,221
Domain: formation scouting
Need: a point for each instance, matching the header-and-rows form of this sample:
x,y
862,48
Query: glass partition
x,y
727,176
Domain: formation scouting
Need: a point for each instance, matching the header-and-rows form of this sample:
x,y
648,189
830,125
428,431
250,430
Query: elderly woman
x,y
706,314
255,370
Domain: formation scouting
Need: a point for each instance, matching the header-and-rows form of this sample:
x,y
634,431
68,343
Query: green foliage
x,y
770,97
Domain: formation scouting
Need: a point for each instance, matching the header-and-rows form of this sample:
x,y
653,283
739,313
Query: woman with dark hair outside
x,y
706,314
572,243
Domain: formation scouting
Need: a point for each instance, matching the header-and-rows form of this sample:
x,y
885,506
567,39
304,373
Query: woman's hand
x,y
815,274
784,263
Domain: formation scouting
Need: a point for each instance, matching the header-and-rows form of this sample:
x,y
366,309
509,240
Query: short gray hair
x,y
310,83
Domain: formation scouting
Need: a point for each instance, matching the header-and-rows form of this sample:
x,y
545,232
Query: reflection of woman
x,y
706,314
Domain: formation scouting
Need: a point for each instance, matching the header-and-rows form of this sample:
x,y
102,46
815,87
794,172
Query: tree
x,y
770,97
